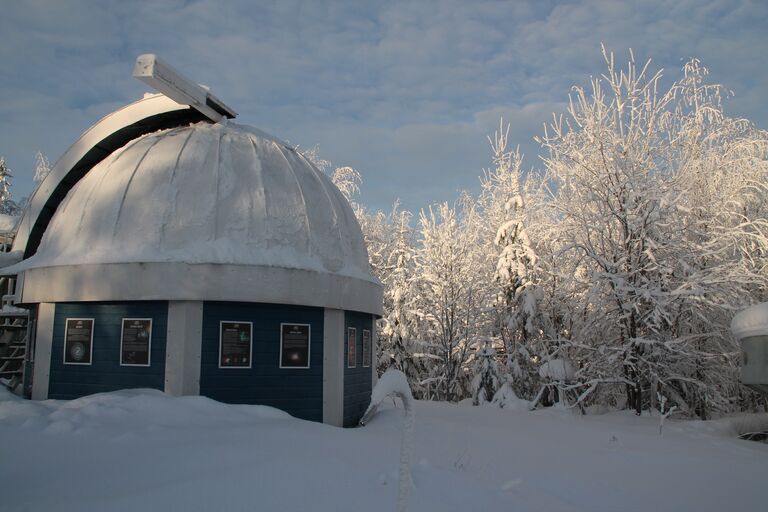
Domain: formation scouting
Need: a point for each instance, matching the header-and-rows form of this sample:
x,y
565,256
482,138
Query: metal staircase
x,y
14,326
15,365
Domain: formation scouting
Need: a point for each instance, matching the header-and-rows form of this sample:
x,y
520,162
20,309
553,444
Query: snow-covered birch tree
x,y
401,347
453,293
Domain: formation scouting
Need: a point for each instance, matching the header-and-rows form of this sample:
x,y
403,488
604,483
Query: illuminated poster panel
x,y
294,345
136,342
351,347
78,341
366,348
235,344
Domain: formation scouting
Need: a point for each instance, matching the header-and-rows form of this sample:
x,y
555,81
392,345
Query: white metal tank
x,y
751,329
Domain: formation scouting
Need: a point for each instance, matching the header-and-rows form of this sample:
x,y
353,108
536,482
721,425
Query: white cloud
x,y
405,91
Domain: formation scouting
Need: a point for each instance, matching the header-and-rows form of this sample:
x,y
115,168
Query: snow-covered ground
x,y
142,450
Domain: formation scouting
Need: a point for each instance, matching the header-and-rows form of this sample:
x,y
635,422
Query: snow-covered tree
x,y
721,226
348,181
517,257
487,375
504,213
453,292
378,230
390,242
399,340
313,155
42,167
663,256
7,205
621,262
373,224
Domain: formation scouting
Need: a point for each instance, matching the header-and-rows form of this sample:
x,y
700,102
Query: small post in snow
x,y
664,415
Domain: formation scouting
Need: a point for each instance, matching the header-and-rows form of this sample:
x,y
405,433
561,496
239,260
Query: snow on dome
x,y
752,321
206,193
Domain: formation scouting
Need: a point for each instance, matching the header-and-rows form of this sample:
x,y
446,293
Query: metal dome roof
x,y
147,205
206,193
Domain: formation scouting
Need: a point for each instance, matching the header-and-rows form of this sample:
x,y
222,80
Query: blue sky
x,y
406,92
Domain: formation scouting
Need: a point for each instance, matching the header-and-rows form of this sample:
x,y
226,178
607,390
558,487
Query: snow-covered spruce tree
x,y
516,296
7,205
487,375
661,277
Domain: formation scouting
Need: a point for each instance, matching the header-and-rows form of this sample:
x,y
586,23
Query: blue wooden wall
x,y
105,373
296,391
357,381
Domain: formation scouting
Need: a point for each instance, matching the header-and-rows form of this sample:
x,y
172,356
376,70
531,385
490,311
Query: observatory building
x,y
173,249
